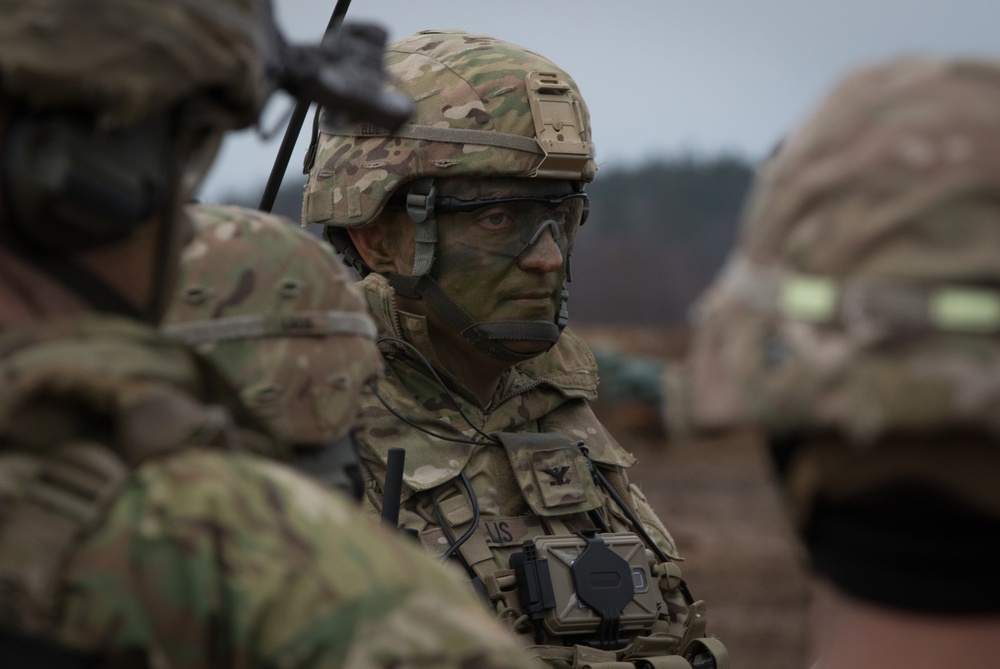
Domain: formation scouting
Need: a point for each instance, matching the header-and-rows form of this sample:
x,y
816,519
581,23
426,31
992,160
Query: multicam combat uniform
x,y
139,523
523,488
494,122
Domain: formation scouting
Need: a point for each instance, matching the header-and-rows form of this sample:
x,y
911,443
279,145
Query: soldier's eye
x,y
494,220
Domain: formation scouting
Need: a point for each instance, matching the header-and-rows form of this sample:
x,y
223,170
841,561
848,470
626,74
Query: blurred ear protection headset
x,y
70,185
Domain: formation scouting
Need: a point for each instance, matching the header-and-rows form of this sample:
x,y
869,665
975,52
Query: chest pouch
x,y
594,587
553,476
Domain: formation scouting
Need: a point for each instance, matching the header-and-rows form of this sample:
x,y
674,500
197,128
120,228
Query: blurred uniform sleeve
x,y
211,559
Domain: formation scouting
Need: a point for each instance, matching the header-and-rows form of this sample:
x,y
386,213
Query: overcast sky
x,y
661,77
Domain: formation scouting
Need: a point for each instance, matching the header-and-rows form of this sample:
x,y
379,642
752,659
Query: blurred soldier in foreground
x,y
463,222
859,322
140,525
280,315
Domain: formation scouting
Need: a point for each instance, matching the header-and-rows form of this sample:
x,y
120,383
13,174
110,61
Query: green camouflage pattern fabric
x,y
860,307
458,81
548,394
246,263
205,554
127,59
311,584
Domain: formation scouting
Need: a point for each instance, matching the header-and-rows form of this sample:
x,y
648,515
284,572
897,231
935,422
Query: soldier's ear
x,y
386,244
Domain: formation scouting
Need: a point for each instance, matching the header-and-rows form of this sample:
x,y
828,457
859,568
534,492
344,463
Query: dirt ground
x,y
718,501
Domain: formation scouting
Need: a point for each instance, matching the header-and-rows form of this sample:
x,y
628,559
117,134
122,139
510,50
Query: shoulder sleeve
x,y
216,559
657,530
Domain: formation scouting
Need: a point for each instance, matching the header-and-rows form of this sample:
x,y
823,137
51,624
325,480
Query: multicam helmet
x,y
125,60
863,295
280,315
483,108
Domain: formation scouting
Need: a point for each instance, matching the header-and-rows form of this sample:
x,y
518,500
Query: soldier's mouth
x,y
531,296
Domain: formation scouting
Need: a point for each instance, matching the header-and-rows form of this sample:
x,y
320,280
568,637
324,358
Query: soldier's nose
x,y
543,255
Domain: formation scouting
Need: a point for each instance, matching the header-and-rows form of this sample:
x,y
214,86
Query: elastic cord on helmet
x,y
305,323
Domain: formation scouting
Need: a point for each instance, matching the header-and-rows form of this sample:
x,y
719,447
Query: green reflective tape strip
x,y
810,298
965,309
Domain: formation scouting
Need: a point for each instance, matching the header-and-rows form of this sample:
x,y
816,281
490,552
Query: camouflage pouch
x,y
552,473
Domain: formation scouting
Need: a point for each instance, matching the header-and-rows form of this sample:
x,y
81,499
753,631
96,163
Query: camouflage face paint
x,y
482,254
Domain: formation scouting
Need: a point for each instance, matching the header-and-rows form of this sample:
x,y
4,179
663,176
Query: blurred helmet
x,y
279,313
863,297
482,108
123,60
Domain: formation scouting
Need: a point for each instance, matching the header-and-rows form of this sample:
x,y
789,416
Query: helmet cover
x,y
862,295
483,108
279,313
124,60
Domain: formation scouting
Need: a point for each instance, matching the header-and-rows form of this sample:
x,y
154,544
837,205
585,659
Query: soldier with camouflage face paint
x,y
463,222
143,521
858,323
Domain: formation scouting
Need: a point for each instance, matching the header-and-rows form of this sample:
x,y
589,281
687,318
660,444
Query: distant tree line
x,y
656,236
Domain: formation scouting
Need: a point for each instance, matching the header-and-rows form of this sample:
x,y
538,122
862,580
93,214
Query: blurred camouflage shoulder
x,y
220,559
120,383
208,555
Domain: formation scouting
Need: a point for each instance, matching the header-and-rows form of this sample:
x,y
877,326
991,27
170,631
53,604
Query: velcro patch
x,y
496,531
558,477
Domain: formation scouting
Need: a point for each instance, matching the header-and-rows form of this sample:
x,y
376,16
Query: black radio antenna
x,y
295,122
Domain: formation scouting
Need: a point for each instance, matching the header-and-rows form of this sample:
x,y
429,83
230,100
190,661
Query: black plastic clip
x,y
534,585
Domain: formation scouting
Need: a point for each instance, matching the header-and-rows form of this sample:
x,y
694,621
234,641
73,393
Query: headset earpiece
x,y
70,185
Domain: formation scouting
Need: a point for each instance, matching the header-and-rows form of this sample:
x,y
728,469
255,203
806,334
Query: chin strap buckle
x,y
420,208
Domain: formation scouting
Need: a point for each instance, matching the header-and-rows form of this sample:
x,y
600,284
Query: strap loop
x,y
299,323
65,499
500,140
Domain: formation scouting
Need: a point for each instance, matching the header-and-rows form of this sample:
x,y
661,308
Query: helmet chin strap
x,y
485,336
